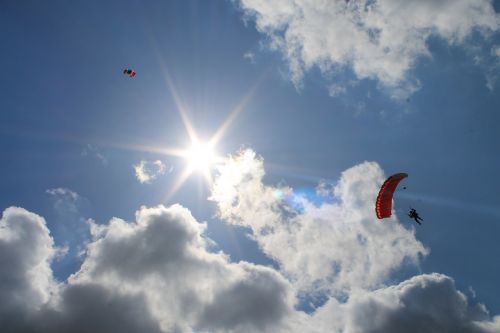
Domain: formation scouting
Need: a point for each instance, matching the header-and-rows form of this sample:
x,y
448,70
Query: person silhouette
x,y
414,215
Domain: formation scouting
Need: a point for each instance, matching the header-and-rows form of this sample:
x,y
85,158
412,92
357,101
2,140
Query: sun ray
x,y
237,110
179,104
182,110
175,187
144,148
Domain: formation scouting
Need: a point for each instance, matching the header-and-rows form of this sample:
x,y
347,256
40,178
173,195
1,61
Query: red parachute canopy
x,y
383,206
129,72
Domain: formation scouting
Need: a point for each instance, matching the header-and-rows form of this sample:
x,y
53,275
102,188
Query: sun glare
x,y
201,157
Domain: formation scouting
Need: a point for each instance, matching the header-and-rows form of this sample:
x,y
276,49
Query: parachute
x,y
129,72
383,205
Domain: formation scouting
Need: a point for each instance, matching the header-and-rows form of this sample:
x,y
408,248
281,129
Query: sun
x,y
201,157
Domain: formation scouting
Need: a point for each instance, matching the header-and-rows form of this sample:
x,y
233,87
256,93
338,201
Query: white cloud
x,y
325,189
93,151
336,90
424,303
163,256
61,193
487,58
250,56
336,247
376,39
26,250
491,67
495,51
66,202
147,171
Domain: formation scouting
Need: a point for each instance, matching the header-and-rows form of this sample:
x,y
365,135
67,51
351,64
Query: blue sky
x,y
317,101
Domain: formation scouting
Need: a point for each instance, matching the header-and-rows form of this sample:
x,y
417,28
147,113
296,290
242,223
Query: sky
x,y
112,222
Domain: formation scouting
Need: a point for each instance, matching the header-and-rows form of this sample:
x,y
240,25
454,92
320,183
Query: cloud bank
x,y
151,275
375,39
157,274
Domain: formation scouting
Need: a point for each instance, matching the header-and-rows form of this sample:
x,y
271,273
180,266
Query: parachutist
x,y
414,215
129,72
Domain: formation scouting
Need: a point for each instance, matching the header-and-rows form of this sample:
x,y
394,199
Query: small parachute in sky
x,y
383,205
129,72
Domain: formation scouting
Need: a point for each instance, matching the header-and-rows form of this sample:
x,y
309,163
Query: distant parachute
x,y
129,72
383,205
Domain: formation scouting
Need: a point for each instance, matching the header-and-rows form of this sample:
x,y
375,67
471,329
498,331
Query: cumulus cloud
x,y
154,275
147,171
166,251
26,282
375,39
424,303
337,246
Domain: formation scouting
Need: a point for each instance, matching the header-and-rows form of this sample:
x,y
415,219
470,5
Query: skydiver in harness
x,y
414,215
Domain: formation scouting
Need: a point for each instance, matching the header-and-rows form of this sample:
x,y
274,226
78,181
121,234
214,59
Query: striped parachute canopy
x,y
383,206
